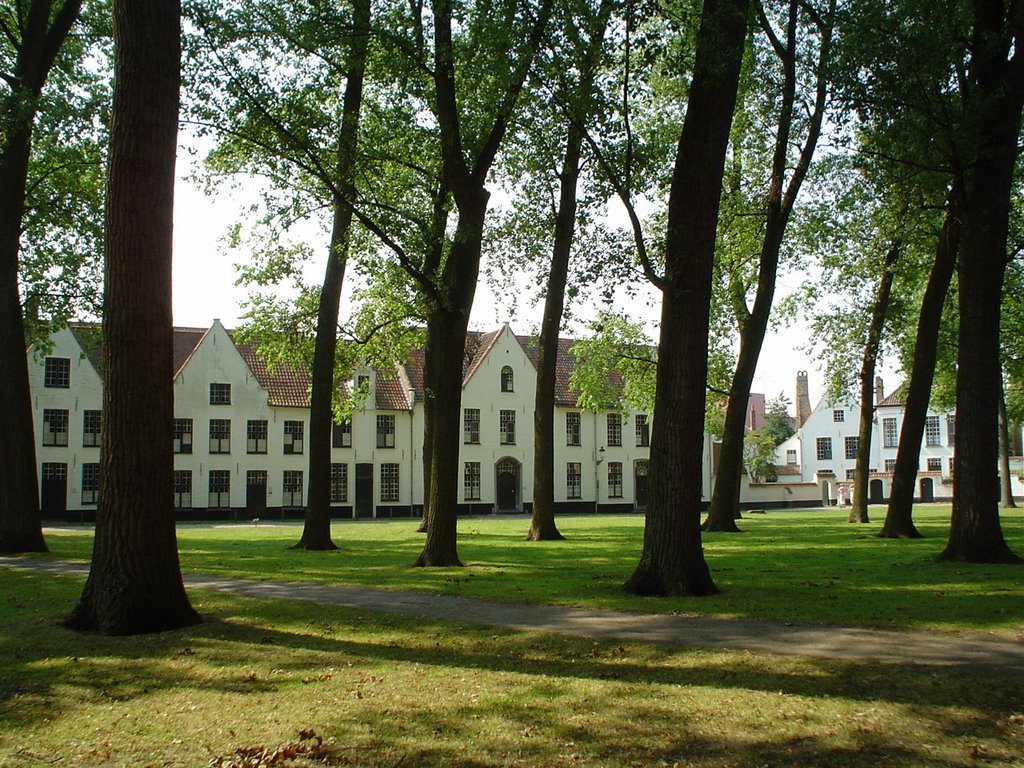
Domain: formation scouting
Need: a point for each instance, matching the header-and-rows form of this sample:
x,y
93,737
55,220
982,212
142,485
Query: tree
x,y
134,584
35,31
995,100
672,561
579,105
759,455
777,421
469,144
792,103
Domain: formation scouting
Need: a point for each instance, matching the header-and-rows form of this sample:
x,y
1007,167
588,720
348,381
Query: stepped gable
x,y
287,385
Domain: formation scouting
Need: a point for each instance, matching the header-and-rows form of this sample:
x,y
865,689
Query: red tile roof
x,y
287,385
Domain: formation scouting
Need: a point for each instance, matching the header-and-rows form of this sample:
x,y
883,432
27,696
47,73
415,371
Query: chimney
x,y
879,390
803,399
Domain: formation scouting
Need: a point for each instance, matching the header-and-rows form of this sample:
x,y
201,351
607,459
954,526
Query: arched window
x,y
507,380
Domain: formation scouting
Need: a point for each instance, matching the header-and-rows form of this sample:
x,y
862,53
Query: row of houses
x,y
240,436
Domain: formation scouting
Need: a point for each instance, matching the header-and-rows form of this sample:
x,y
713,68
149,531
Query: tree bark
x,y
20,521
997,96
724,509
316,530
859,505
899,523
1005,478
672,561
134,585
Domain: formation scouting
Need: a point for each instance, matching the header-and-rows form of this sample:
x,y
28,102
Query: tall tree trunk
x,y
997,95
899,523
672,561
542,520
725,498
442,373
1005,478
134,585
859,505
41,39
316,531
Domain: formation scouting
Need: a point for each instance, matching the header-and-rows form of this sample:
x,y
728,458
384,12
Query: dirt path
x,y
757,636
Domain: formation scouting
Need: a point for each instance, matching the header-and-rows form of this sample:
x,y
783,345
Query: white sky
x,y
204,289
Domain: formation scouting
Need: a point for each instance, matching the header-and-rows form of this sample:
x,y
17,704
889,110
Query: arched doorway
x,y
875,494
927,490
507,473
640,468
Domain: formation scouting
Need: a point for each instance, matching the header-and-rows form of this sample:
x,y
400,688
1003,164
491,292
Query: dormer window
x,y
507,379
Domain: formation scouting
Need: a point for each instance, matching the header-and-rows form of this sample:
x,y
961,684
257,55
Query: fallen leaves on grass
x,y
310,748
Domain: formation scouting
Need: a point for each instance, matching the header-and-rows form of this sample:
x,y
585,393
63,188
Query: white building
x,y
239,433
824,450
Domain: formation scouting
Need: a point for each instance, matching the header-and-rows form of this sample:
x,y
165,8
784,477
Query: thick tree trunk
x,y
859,505
1005,478
316,531
899,523
442,373
134,585
542,520
997,95
20,524
672,561
42,35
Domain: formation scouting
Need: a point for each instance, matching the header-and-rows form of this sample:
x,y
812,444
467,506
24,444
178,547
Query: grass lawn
x,y
238,690
805,566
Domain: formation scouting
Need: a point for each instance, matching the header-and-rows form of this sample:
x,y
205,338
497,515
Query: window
x,y
256,436
850,446
291,488
952,465
90,428
931,430
471,426
615,479
90,483
220,394
791,456
507,379
389,482
339,483
507,422
950,429
220,489
890,437
838,415
471,481
55,426
341,435
851,474
256,483
183,489
573,480
220,435
293,437
386,431
934,465
57,372
890,465
643,431
572,428
824,445
54,470
614,428
183,435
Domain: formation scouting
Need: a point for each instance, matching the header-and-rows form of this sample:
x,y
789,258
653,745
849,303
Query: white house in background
x,y
824,449
240,433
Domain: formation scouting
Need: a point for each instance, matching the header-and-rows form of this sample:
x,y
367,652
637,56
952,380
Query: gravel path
x,y
758,636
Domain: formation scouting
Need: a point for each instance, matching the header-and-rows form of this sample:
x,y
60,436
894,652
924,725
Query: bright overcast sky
x,y
204,289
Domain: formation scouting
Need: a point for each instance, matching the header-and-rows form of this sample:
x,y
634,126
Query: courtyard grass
x,y
792,566
239,689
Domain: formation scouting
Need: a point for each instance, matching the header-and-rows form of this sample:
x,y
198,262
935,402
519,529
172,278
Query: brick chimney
x,y
879,390
803,399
